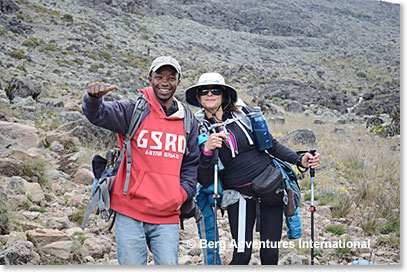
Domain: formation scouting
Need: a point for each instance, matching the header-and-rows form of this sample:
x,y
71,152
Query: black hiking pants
x,y
271,223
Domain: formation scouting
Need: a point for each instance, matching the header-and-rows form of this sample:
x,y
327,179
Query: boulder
x,y
14,136
8,6
301,136
294,107
83,176
59,249
23,87
96,247
290,259
15,236
35,192
42,237
10,167
20,253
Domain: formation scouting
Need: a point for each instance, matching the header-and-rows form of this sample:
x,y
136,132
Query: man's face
x,y
164,82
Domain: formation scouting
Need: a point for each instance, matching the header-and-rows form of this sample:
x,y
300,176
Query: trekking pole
x,y
312,208
215,201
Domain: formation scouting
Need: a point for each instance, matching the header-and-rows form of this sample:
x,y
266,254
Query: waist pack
x,y
267,188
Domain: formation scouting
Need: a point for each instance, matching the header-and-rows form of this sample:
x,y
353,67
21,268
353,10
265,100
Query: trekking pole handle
x,y
312,170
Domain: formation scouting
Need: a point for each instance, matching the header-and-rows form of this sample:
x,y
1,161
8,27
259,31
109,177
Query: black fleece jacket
x,y
248,163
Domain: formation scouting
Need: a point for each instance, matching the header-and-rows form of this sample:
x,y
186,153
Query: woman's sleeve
x,y
284,153
206,169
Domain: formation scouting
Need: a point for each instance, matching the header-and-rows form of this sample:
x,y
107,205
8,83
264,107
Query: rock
x,y
42,237
59,249
71,232
83,176
367,96
23,87
15,236
35,192
16,202
51,102
294,107
70,116
76,200
319,122
195,251
57,147
31,215
20,253
10,167
301,136
290,259
277,120
16,185
374,121
183,260
8,6
96,247
88,134
324,211
328,115
16,136
338,131
57,176
89,259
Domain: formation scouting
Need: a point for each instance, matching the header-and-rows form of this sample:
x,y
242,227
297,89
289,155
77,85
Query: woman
x,y
240,164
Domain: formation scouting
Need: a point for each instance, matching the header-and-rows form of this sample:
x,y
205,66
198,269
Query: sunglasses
x,y
214,91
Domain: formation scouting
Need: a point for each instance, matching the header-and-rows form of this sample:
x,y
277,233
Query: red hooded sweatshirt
x,y
154,192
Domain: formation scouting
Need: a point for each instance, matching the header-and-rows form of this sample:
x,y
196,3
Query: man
x,y
162,175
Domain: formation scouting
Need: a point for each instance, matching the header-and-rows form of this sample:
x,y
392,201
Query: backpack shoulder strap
x,y
136,120
188,120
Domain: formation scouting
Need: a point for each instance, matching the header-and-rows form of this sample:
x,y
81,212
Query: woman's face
x,y
210,97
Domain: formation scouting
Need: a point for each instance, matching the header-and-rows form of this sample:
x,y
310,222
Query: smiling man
x,y
164,170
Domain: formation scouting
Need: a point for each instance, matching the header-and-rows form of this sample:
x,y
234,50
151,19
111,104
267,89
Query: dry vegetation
x,y
358,176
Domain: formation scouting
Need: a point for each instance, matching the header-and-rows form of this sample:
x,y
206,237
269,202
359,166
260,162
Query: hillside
x,y
332,66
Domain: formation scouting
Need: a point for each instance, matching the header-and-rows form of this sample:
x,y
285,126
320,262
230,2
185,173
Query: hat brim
x,y
155,68
191,93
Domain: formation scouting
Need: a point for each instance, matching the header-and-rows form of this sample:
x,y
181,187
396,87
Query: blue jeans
x,y
133,237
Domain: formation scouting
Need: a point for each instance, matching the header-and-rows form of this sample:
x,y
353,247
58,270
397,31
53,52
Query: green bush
x,y
361,74
34,167
17,54
3,31
335,229
67,18
29,43
105,55
94,67
77,217
341,207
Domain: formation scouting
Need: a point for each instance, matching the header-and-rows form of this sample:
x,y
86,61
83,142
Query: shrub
x,y
94,67
361,74
81,239
343,250
105,55
393,241
3,31
370,225
17,54
29,43
67,18
34,167
335,229
341,207
77,217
